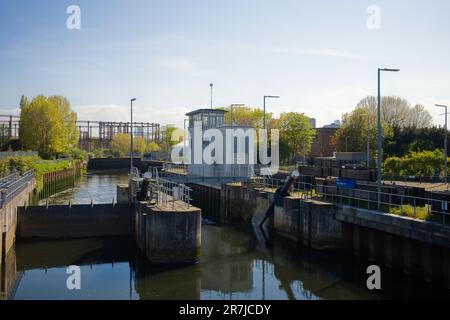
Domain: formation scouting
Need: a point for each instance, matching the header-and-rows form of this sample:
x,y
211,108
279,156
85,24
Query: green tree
x,y
246,116
296,134
422,163
23,102
170,137
352,135
152,146
121,144
397,112
48,125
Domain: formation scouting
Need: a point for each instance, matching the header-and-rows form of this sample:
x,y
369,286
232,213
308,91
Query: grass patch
x,y
422,213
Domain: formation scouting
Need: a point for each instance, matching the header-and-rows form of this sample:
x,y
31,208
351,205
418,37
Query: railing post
x,y
401,205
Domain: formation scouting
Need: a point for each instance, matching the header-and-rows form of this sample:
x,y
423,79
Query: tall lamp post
x,y
131,131
380,133
346,143
211,85
445,142
264,108
368,139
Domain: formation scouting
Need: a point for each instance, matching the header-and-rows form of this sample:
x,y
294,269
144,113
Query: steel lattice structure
x,y
92,134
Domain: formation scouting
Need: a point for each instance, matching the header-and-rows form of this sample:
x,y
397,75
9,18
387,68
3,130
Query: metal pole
x,y
380,134
368,139
445,144
211,86
379,156
231,115
445,147
131,132
264,113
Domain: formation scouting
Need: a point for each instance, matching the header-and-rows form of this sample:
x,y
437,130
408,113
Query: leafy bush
x,y
422,213
39,166
422,163
75,154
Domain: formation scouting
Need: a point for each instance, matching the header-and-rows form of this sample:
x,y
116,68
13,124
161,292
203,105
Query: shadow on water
x,y
232,266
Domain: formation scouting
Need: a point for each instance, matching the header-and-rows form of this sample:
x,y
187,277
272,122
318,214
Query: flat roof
x,y
206,111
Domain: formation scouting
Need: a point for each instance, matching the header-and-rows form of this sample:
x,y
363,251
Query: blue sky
x,y
319,56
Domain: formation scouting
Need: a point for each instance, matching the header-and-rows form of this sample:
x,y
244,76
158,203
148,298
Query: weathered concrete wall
x,y
425,231
8,218
8,276
243,205
112,163
415,247
77,221
122,193
310,222
168,236
122,163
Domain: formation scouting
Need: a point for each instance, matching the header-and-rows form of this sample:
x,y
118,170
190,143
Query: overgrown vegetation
x,y
38,165
121,144
424,163
422,213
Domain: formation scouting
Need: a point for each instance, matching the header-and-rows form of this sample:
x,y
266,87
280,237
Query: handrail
x,y
363,198
9,190
169,191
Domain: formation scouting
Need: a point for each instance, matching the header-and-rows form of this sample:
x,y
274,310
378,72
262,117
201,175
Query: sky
x,y
319,56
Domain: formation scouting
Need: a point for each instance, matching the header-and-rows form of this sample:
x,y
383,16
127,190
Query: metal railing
x,y
422,208
9,154
175,168
414,178
11,188
169,192
4,181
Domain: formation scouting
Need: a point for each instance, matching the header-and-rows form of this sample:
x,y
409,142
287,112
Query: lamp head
x,y
390,69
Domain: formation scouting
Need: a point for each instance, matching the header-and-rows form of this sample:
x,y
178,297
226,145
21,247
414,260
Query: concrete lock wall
x,y
168,237
122,163
77,221
310,222
8,218
122,193
419,248
240,204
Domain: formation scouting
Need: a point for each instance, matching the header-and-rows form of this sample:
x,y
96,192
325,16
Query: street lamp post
x,y
211,85
346,143
131,132
368,139
264,108
380,133
445,142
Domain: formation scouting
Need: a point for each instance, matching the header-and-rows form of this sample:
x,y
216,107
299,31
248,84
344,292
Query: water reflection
x,y
232,267
98,186
235,264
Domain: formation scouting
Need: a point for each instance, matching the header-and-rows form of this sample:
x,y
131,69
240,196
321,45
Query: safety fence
x,y
12,185
424,208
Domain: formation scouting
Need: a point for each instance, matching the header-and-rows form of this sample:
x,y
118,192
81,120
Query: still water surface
x,y
235,264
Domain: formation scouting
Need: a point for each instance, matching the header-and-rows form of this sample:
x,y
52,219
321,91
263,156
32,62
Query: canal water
x,y
234,264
